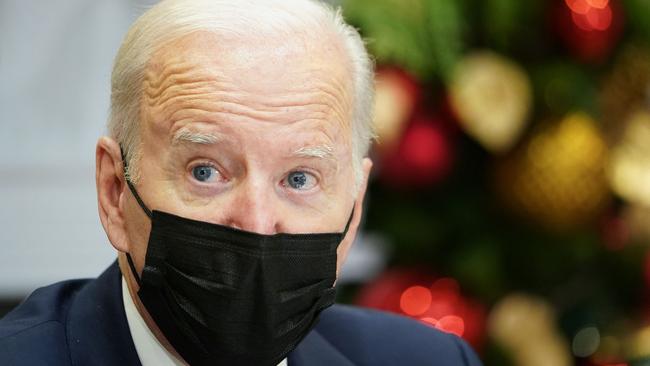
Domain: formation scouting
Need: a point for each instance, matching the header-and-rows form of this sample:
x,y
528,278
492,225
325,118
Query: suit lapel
x,y
315,350
97,330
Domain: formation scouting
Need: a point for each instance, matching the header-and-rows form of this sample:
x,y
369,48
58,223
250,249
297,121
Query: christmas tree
x,y
512,174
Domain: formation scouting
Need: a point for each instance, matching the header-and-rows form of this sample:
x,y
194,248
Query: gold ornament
x,y
558,177
629,164
525,326
492,97
395,99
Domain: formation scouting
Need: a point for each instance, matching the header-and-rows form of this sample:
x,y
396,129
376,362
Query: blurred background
x,y
510,202
55,64
512,189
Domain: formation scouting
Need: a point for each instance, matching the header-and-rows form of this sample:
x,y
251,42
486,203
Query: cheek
x,y
138,227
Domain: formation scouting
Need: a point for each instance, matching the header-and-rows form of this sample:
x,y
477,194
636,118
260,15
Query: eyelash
x,y
204,163
305,170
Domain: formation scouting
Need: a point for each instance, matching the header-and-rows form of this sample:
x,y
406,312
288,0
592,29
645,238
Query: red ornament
x,y
589,28
436,302
423,156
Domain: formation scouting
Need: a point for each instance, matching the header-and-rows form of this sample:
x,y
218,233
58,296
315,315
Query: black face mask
x,y
223,296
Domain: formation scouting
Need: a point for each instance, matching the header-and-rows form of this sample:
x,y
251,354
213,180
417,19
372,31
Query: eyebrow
x,y
202,138
185,135
320,151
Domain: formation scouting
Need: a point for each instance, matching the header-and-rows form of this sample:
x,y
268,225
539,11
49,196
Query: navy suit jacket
x,y
82,322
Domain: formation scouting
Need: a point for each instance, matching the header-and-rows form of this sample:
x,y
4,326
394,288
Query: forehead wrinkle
x,y
159,77
339,102
331,91
173,92
189,106
324,86
178,80
169,76
181,87
214,97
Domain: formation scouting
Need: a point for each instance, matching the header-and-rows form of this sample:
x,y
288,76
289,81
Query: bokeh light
x,y
586,342
584,6
415,300
435,302
594,20
452,324
591,15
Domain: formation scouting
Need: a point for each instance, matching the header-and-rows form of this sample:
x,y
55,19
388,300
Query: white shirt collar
x,y
149,349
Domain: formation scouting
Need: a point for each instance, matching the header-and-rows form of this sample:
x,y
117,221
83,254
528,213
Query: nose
x,y
254,208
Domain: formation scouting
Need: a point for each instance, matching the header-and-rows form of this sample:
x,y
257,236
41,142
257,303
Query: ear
x,y
346,244
109,178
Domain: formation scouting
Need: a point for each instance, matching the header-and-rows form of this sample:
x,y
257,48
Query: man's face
x,y
253,134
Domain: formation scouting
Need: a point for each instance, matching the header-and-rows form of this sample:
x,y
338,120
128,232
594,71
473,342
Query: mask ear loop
x,y
144,207
133,270
347,226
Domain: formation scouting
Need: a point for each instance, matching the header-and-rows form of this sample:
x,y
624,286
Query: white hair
x,y
170,20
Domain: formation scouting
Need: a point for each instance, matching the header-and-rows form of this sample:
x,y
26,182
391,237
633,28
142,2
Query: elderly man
x,y
231,186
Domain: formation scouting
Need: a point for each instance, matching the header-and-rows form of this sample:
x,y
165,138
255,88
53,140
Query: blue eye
x,y
204,173
300,180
